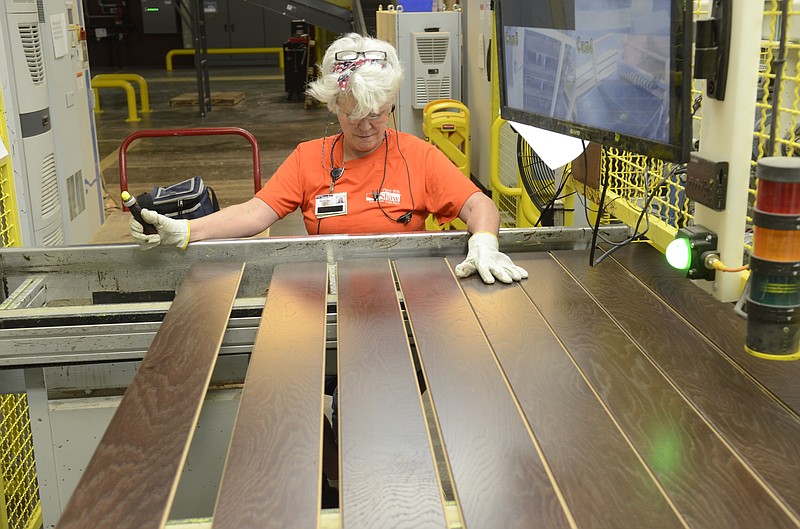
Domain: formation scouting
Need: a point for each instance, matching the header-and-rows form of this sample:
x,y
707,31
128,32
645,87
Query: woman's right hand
x,y
171,232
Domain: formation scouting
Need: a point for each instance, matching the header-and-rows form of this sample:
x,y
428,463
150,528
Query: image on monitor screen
x,y
610,71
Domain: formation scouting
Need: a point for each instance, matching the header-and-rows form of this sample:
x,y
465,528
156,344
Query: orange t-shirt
x,y
436,185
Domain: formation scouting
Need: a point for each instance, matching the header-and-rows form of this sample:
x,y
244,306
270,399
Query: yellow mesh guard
x,y
9,216
18,487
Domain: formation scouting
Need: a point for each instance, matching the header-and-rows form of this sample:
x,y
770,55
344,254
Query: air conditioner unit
x,y
35,157
433,68
51,127
428,45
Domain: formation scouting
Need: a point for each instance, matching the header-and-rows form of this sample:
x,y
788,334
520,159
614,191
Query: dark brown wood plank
x,y
499,478
700,473
273,470
714,319
759,428
603,480
131,479
388,477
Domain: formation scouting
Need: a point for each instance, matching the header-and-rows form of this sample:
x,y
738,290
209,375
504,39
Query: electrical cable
x,y
716,264
406,217
644,214
332,170
337,172
551,204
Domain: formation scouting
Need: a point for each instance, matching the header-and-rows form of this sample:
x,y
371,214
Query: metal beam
x,y
317,12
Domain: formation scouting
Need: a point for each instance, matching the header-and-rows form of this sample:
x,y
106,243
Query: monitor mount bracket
x,y
712,48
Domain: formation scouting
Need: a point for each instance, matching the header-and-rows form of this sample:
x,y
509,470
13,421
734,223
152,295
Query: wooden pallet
x,y
189,99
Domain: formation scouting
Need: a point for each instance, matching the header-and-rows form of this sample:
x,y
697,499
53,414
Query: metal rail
x,y
74,273
224,51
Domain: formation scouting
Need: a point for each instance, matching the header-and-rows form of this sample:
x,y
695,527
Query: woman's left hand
x,y
484,256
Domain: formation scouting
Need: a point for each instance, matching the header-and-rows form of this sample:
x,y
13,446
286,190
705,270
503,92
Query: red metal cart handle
x,y
201,131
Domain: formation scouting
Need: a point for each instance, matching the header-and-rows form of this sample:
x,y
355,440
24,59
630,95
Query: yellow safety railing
x,y
504,176
10,234
130,94
224,51
20,507
144,93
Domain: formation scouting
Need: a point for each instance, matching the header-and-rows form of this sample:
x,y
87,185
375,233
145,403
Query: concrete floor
x,y
224,162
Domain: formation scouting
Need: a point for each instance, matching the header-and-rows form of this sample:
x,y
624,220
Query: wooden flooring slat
x,y
760,429
388,477
131,479
499,478
603,481
715,320
708,485
273,470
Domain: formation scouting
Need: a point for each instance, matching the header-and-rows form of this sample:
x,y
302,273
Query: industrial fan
x,y
538,180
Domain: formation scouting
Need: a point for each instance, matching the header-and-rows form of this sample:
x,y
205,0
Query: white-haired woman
x,y
365,178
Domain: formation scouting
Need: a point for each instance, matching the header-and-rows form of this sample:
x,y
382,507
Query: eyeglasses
x,y
349,55
369,117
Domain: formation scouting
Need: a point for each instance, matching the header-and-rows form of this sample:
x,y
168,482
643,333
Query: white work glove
x,y
485,257
171,232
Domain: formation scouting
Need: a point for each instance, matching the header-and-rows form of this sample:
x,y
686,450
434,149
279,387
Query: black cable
x,y
596,229
551,204
644,214
333,171
408,171
406,217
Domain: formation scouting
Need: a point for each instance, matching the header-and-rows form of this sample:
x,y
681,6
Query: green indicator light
x,y
679,253
152,9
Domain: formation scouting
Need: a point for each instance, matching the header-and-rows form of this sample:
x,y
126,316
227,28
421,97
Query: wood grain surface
x,y
762,431
603,481
701,474
388,477
499,478
273,470
717,321
131,479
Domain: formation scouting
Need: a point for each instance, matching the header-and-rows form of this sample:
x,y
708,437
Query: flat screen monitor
x,y
616,72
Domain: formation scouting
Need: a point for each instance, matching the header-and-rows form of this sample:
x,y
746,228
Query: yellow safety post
x,y
494,173
527,214
224,51
144,94
445,124
117,83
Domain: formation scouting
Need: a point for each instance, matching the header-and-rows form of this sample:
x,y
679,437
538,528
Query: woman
x,y
366,178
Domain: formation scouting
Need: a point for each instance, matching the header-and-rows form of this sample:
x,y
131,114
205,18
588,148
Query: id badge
x,y
330,205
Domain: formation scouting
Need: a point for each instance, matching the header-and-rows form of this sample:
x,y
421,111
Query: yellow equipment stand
x,y
445,124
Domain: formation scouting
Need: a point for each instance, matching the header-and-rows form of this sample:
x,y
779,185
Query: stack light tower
x,y
773,302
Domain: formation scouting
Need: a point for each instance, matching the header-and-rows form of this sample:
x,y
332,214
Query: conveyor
x,y
609,396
